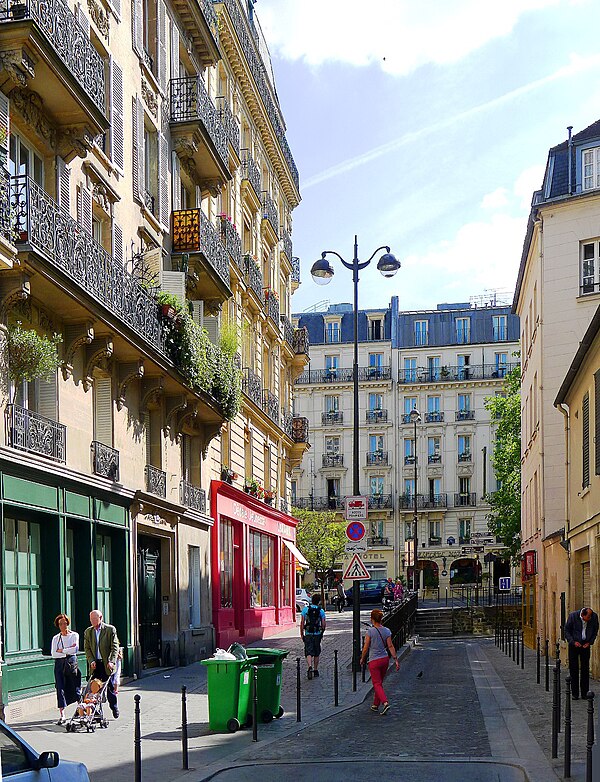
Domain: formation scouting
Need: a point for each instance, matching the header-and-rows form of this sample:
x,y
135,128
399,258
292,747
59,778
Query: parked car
x,y
370,591
302,599
21,763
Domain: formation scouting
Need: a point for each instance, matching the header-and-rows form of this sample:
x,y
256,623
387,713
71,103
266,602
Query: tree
x,y
504,520
30,356
322,540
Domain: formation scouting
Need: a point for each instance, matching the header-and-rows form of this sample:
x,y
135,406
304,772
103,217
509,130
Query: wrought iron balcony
x,y
32,432
377,540
435,540
333,460
334,375
156,481
296,270
6,229
300,429
408,460
230,124
301,341
434,458
377,457
454,373
270,405
380,501
253,277
191,496
231,241
105,461
424,501
436,417
190,102
465,415
67,39
374,373
255,63
283,505
462,499
288,330
39,224
251,172
272,305
286,240
318,503
333,418
269,211
465,456
194,233
252,386
377,416
406,418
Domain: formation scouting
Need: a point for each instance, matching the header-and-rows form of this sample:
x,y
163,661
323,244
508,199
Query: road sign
x,y
479,549
467,549
504,583
356,508
451,541
355,530
356,546
356,571
480,540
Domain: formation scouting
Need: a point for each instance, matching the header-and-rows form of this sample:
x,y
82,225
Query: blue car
x,y
370,591
21,763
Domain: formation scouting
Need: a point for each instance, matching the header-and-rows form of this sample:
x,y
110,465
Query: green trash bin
x,y
229,693
270,666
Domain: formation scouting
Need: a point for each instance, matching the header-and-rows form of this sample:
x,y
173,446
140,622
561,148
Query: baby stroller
x,y
88,713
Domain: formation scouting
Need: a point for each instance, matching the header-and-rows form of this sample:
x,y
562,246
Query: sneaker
x,y
375,709
316,674
309,673
61,721
386,708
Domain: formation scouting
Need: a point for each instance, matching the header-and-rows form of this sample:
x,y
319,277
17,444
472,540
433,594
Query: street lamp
x,y
415,418
322,272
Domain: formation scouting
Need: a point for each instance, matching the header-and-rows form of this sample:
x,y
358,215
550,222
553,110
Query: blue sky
x,y
426,126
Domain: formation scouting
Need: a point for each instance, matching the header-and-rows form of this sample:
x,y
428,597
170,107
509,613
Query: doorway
x,y
149,600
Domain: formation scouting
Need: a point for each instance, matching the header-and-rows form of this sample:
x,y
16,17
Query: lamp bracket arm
x,y
337,255
383,247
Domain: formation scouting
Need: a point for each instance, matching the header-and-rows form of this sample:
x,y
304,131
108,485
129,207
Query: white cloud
x,y
495,200
529,180
397,35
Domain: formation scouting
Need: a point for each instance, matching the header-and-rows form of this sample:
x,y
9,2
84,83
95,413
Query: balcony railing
x,y
270,405
230,124
67,38
191,496
424,501
286,241
156,481
455,373
410,460
39,223
301,342
283,505
300,429
435,540
6,229
251,172
272,305
252,386
405,418
190,102
269,211
231,241
377,457
105,461
374,373
333,460
462,499
377,541
334,418
380,501
434,458
465,456
194,233
377,416
288,330
253,277
318,503
434,418
296,270
30,431
465,415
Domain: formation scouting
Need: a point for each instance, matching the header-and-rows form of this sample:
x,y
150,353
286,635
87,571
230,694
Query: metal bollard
x,y
522,650
547,665
538,663
336,684
137,742
559,683
255,703
590,737
298,700
184,729
555,715
518,647
567,764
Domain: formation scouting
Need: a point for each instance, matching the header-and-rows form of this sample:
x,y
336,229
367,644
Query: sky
x,y
426,126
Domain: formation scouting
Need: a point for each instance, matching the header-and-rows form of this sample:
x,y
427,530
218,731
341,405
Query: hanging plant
x,y
29,356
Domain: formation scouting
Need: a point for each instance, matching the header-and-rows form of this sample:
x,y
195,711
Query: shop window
x,y
104,575
226,563
22,577
194,585
286,579
261,560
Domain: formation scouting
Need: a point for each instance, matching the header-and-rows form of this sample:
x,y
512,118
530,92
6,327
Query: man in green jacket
x,y
101,646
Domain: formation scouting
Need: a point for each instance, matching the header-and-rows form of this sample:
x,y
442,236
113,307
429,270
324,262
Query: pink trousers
x,y
378,669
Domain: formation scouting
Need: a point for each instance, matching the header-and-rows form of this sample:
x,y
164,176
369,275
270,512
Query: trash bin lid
x,y
267,652
238,651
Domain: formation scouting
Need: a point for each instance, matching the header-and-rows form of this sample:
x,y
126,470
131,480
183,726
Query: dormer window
x,y
591,168
332,331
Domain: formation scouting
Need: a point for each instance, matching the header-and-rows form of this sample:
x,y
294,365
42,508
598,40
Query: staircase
x,y
434,622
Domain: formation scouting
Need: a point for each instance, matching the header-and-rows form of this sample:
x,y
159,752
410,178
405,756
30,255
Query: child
x,y
91,698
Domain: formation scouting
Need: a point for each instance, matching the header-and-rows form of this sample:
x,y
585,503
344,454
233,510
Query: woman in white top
x,y
67,677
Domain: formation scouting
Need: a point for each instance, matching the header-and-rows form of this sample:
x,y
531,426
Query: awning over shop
x,y
296,552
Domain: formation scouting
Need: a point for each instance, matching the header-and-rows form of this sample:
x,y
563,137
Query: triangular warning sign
x,y
356,571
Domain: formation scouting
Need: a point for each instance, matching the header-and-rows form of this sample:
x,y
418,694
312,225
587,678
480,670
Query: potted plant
x,y
29,356
228,475
269,496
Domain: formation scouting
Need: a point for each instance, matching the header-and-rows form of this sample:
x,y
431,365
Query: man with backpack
x,y
312,627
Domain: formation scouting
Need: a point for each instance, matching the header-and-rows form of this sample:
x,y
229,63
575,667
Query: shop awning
x,y
296,552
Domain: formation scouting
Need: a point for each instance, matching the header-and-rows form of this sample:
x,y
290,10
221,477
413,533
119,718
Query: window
x,y
410,403
435,532
332,446
464,531
226,562
22,576
499,328
463,330
261,560
421,332
433,368
501,360
464,362
376,360
24,160
294,491
376,484
591,168
375,402
408,532
434,452
375,443
150,169
464,448
435,489
14,757
375,329
332,404
333,492
433,404
586,441
409,450
410,370
590,266
409,487
194,585
332,331
39,395
104,575
464,403
464,488
331,366
286,576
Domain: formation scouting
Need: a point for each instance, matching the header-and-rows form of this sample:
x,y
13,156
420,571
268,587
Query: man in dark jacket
x,y
581,630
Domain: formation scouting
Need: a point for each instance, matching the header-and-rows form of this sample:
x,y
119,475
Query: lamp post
x,y
415,418
322,273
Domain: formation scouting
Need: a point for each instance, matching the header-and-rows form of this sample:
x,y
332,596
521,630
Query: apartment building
x,y
443,363
144,158
556,296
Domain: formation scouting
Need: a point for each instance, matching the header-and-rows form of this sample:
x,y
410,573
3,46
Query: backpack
x,y
313,620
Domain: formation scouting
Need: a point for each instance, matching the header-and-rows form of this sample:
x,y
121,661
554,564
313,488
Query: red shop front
x,y
253,566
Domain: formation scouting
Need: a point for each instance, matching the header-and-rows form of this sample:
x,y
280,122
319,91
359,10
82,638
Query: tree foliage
x,y
505,517
321,538
30,356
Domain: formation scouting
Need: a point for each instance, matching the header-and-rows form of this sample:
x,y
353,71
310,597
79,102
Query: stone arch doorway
x,y
465,571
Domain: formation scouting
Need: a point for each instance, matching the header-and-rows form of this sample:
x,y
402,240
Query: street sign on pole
x,y
504,583
356,546
467,549
356,570
356,508
356,530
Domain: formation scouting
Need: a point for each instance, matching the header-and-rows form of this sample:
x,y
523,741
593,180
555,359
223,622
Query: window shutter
x,y
174,50
586,441
194,586
174,282
137,20
117,243
597,420
5,120
161,45
103,423
117,133
211,324
45,398
63,175
84,208
197,312
115,6
138,148
186,456
176,179
83,19
163,176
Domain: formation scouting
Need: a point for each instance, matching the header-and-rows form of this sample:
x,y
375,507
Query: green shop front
x,y
64,549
